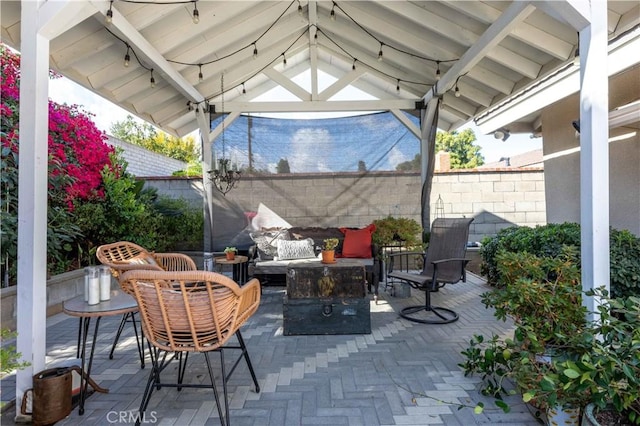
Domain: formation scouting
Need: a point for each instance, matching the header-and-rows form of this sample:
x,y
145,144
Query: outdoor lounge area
x,y
401,373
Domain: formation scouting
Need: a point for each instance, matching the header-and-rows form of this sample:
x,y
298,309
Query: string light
x,y
152,80
127,57
255,50
284,60
457,89
189,106
299,8
332,14
109,17
196,14
398,86
244,91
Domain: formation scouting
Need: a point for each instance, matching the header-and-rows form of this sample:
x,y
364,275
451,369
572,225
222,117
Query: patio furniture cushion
x,y
296,249
266,242
357,243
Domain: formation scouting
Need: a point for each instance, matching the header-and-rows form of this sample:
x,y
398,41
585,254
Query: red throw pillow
x,y
357,242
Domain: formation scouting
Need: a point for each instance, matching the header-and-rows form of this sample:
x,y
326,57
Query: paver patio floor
x,y
403,373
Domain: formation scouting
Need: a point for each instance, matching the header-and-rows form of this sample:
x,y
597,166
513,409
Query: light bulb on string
x,y
457,92
437,70
398,86
109,18
127,57
200,76
332,14
299,8
353,67
196,14
284,60
152,80
380,53
255,51
244,91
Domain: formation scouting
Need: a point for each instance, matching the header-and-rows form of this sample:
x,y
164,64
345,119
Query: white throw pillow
x,y
295,249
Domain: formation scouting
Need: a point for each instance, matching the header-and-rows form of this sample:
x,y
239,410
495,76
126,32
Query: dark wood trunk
x,y
342,279
331,315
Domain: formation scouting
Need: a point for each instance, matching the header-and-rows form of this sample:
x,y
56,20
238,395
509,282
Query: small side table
x,y
120,303
239,267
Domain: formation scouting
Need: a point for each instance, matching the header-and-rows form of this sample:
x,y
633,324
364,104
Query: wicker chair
x,y
183,312
124,256
443,263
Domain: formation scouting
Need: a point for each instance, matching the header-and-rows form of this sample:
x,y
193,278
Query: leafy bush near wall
x,y
181,227
549,240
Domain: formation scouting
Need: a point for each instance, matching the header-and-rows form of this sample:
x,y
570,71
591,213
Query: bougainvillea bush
x,y
77,157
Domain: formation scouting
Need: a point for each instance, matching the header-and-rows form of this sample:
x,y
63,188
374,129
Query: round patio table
x,y
120,303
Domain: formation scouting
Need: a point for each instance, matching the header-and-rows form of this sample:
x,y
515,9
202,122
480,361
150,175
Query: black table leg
x,y
83,381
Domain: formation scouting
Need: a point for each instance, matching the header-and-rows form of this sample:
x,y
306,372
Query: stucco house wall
x,y
562,159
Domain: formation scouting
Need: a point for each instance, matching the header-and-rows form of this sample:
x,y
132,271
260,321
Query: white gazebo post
x,y
40,22
32,196
594,154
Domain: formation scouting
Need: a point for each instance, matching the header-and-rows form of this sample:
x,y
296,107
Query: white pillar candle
x,y
105,282
87,276
94,287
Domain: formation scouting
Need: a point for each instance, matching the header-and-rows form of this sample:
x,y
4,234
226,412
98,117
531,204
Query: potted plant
x,y
230,252
328,250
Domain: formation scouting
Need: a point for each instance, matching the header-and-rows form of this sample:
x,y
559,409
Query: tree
x,y
362,167
283,166
146,136
410,165
464,154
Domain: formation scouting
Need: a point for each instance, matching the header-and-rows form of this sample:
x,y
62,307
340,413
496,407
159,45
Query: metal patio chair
x,y
195,311
443,263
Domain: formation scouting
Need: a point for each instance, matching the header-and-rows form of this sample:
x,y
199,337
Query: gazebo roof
x,y
489,50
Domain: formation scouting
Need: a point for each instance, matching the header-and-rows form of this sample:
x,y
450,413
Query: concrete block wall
x,y
143,163
496,198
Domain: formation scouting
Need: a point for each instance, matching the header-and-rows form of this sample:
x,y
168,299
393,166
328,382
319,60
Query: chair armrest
x,y
249,300
453,259
175,262
401,260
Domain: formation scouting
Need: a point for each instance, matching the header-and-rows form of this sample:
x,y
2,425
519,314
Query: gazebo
x,y
163,61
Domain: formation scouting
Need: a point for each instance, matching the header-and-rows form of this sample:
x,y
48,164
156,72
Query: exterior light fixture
x,y
127,57
437,70
380,52
255,51
502,134
152,80
200,76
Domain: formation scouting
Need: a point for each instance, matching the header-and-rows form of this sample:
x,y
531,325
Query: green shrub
x,y
181,225
397,231
549,240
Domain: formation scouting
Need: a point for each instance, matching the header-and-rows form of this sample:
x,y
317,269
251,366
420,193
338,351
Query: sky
x,y
105,113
